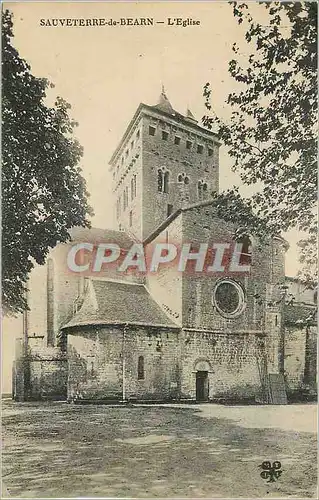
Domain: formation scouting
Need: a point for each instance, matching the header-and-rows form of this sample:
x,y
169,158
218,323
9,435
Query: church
x,y
167,336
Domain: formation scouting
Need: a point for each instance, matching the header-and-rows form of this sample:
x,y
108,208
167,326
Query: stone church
x,y
169,335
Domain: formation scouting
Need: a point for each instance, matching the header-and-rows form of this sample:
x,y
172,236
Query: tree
x,y
272,131
43,191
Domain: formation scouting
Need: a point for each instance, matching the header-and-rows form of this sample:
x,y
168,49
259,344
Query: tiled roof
x,y
96,235
300,315
114,302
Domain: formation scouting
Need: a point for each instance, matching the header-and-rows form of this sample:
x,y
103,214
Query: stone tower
x,y
164,161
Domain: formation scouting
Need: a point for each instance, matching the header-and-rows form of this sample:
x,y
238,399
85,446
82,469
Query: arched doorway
x,y
202,370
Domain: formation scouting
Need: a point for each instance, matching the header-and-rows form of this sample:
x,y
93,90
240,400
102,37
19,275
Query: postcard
x,y
159,291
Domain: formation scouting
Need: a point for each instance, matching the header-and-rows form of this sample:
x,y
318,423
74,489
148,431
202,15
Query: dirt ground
x,y
208,451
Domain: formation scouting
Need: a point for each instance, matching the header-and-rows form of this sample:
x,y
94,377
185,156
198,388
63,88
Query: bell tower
x,y
164,161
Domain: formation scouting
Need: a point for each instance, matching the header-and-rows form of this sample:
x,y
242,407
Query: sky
x,y
105,72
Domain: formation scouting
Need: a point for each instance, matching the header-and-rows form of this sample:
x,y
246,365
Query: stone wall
x,y
40,372
300,360
235,365
170,356
96,363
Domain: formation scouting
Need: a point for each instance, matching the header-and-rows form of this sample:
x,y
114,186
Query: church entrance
x,y
202,388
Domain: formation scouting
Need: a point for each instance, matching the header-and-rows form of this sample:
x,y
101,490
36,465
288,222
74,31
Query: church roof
x,y
96,235
186,208
119,302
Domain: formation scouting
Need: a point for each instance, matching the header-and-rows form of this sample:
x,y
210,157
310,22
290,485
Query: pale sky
x,y
105,72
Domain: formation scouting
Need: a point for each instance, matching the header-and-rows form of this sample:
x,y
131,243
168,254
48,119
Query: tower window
x,y
180,178
138,135
151,130
210,152
125,198
164,135
177,140
132,144
126,153
169,209
131,218
160,181
140,368
133,187
186,180
188,144
200,148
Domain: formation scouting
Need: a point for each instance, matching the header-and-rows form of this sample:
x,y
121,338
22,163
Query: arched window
x,y
132,188
186,180
160,182
140,368
125,198
180,178
166,181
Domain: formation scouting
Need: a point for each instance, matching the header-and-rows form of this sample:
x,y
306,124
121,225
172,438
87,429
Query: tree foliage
x,y
43,191
272,131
